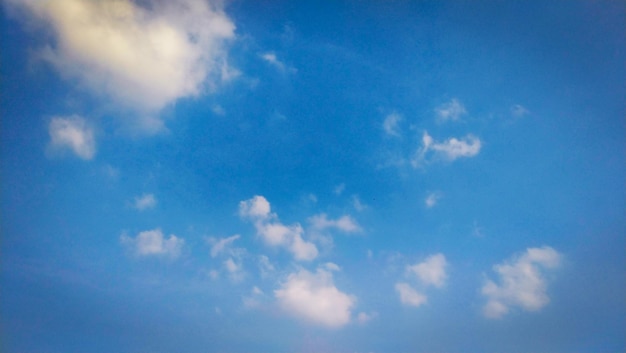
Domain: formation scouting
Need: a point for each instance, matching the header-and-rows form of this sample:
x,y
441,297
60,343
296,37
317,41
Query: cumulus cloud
x,y
72,133
448,150
270,58
220,245
410,296
314,298
450,111
145,202
431,271
141,55
522,282
153,243
344,223
275,233
390,124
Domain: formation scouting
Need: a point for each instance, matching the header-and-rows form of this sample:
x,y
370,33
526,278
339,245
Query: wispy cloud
x,y
275,233
519,111
145,202
450,111
270,58
141,55
344,223
522,283
431,199
410,296
390,124
314,298
448,150
220,245
72,133
153,243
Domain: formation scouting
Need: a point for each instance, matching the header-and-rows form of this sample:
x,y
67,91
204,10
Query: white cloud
x,y
338,190
432,271
152,242
450,111
432,199
270,58
448,150
74,134
363,318
273,232
222,244
314,298
358,205
390,124
519,111
521,282
142,55
410,296
234,268
345,223
265,266
145,201
254,299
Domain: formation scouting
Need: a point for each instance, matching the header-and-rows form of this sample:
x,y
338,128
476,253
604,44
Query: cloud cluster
x,y
72,133
314,298
521,282
153,243
448,150
140,55
275,233
430,272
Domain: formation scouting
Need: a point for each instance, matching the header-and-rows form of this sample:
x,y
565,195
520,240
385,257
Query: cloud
x,y
410,296
265,266
432,271
357,204
220,245
345,223
141,55
390,124
234,268
450,111
363,318
432,199
254,299
338,190
74,134
275,233
314,298
270,58
519,111
521,282
448,150
153,243
145,201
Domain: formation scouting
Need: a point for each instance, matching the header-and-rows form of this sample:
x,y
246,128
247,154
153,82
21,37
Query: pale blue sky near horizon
x,y
275,176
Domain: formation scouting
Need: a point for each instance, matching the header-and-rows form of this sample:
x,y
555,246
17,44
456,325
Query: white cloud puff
x,y
450,111
153,243
432,199
145,202
448,150
142,55
390,124
314,298
409,296
275,233
344,223
74,134
522,282
431,271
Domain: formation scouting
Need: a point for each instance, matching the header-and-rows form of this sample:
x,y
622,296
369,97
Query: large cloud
x,y
72,133
275,233
313,297
142,55
521,282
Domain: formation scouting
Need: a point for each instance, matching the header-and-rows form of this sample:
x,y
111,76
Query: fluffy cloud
x,y
390,124
450,111
448,150
314,298
153,243
432,271
521,282
145,201
275,233
219,245
410,296
142,55
74,134
345,223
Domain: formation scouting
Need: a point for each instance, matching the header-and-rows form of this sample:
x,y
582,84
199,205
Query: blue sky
x,y
274,176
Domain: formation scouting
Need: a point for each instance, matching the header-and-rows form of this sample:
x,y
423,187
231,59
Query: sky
x,y
296,176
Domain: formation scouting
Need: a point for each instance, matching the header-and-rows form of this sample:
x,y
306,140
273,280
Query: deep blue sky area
x,y
296,176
